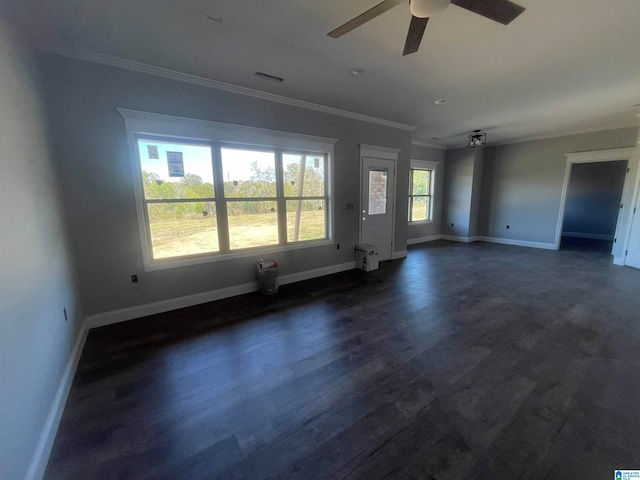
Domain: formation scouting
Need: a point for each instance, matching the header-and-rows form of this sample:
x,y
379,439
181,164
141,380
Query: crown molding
x,y
566,133
100,58
427,144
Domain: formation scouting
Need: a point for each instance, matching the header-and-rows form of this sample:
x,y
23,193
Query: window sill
x,y
421,222
257,253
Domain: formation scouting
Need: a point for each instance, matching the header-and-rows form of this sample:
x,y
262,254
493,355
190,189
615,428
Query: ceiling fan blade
x,y
502,11
414,36
364,18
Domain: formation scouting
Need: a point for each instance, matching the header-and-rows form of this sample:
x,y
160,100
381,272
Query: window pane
x,y
421,179
303,175
252,224
377,192
248,173
420,208
182,228
305,220
175,170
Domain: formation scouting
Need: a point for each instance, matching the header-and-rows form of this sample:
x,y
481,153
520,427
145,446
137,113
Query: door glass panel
x,y
377,192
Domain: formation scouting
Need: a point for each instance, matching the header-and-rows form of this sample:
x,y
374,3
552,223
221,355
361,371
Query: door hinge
x,y
634,209
615,240
626,252
628,170
621,205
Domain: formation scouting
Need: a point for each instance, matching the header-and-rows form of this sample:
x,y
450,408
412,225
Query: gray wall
x,y
593,198
476,191
422,230
92,155
36,280
522,183
461,191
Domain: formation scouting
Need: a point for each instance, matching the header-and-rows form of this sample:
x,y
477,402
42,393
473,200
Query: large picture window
x,y
202,199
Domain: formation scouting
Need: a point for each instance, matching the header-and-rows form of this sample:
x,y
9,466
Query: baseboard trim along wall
x,y
47,437
504,241
519,243
400,254
130,313
430,238
594,236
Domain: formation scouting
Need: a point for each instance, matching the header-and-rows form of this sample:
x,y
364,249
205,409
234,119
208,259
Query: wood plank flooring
x,y
463,361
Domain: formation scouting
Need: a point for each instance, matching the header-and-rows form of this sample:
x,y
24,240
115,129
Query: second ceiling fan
x,y
502,11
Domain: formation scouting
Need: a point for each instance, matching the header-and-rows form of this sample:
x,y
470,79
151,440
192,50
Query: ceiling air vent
x,y
266,76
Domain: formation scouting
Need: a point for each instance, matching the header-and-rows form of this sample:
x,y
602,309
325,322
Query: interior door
x,y
377,205
632,258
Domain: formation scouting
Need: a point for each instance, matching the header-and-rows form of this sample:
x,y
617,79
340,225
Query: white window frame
x,y
152,124
422,165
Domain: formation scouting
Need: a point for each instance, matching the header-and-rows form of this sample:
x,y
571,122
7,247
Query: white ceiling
x,y
563,66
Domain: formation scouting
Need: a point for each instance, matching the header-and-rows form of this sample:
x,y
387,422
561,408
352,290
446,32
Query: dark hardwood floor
x,y
463,361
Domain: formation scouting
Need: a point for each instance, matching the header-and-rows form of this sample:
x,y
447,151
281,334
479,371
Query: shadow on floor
x,y
586,244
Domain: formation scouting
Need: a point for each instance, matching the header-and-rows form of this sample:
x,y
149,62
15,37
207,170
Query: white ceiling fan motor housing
x,y
427,8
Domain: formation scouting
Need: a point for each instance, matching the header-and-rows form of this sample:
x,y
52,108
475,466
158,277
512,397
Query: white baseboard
x,y
45,443
397,255
130,313
594,236
618,261
315,273
454,238
504,241
519,243
431,238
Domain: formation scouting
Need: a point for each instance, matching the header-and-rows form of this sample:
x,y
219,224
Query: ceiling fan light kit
x,y
501,11
477,139
427,8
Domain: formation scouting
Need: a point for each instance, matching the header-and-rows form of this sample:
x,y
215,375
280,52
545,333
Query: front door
x,y
376,204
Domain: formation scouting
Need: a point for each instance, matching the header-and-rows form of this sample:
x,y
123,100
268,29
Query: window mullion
x,y
221,203
281,202
411,194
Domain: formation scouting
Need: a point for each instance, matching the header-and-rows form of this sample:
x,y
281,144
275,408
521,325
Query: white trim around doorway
x,y
385,153
610,155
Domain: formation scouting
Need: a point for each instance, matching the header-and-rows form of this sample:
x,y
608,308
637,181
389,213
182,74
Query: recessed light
x,y
356,71
213,16
440,101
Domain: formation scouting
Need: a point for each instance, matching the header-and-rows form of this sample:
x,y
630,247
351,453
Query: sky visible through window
x,y
197,161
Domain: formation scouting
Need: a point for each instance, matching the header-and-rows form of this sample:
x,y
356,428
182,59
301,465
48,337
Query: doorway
x,y
624,214
378,181
377,198
593,204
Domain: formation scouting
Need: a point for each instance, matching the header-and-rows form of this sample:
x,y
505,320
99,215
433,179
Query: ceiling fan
x,y
502,11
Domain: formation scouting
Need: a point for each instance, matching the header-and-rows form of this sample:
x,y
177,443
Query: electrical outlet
x,y
337,246
452,224
134,278
349,206
66,318
507,227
